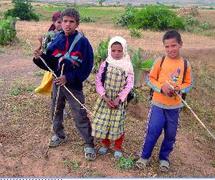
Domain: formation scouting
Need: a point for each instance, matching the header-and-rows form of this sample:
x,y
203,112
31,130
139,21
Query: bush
x,y
193,25
7,30
23,10
127,18
157,18
101,54
151,17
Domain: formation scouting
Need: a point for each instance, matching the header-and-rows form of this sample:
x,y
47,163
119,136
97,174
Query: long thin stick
x,y
58,93
66,87
55,108
195,115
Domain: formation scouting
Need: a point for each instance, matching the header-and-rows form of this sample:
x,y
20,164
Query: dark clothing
x,y
82,122
77,66
82,51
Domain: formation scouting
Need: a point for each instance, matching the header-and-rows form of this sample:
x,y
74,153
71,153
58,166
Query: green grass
x,y
21,88
39,73
102,14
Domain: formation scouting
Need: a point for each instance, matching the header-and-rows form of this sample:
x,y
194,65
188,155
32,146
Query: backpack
x,y
131,94
185,70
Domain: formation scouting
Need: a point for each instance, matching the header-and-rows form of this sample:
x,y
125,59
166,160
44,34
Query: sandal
x,y
102,150
89,153
117,154
142,163
56,141
164,166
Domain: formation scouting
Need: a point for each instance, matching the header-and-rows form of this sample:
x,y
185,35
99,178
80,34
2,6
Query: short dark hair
x,y
172,34
71,12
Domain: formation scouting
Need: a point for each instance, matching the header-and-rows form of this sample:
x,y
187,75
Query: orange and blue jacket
x,y
171,71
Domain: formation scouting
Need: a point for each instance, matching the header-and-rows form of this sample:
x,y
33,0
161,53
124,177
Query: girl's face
x,y
117,51
57,24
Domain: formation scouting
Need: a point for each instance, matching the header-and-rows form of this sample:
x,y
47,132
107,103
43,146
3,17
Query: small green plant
x,y
126,163
213,164
72,164
205,26
140,65
193,25
135,33
7,30
101,53
23,10
20,89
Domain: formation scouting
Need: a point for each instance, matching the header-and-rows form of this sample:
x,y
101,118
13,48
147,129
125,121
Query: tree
x,y
101,2
23,10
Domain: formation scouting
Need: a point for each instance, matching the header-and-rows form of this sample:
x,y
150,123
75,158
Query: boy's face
x,y
172,48
117,51
69,25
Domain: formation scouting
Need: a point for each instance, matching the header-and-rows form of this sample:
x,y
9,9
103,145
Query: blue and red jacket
x,y
77,70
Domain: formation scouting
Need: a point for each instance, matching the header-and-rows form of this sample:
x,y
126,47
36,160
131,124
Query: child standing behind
x,y
46,85
114,81
167,76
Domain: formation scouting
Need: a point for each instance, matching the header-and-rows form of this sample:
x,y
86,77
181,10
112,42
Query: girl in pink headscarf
x,y
114,81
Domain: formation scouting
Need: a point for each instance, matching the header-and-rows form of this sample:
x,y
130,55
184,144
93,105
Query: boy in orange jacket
x,y
168,76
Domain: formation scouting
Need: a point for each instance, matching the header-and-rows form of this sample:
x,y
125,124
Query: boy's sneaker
x,y
142,163
56,141
164,165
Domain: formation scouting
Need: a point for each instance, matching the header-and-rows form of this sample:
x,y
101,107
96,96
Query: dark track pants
x,y
160,119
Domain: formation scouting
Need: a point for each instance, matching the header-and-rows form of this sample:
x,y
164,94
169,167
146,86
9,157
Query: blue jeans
x,y
160,119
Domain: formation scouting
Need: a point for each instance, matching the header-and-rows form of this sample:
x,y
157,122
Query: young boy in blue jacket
x,y
73,50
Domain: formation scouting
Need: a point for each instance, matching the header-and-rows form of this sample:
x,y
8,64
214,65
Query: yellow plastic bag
x,y
45,87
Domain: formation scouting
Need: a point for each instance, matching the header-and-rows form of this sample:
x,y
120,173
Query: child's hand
x,y
167,90
177,89
37,53
108,101
116,102
60,81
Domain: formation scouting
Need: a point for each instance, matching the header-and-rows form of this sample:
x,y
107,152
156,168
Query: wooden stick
x,y
195,115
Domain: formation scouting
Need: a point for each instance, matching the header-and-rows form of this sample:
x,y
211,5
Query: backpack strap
x,y
104,73
185,70
162,60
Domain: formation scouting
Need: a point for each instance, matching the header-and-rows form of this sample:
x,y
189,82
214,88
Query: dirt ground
x,y
25,119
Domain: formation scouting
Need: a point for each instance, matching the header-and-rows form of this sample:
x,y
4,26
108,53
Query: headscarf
x,y
125,62
55,17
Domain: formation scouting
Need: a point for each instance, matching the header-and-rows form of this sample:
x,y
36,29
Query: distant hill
x,y
139,2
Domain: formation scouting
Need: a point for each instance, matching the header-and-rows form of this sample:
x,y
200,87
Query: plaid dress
x,y
109,123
